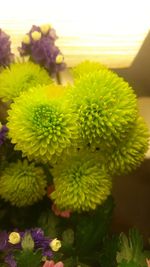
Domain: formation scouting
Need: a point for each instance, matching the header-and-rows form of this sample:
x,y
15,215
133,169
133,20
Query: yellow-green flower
x,y
86,67
130,152
81,182
106,106
55,244
42,124
22,184
14,238
19,77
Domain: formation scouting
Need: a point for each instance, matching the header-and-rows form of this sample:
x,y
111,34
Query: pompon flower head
x,y
130,152
42,124
86,67
39,44
106,106
22,183
20,77
6,57
81,182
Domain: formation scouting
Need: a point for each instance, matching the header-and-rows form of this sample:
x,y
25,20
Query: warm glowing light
x,y
109,31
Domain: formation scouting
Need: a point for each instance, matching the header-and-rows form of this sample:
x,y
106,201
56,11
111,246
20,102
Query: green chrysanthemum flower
x,y
86,67
81,182
129,154
22,183
19,77
41,123
106,107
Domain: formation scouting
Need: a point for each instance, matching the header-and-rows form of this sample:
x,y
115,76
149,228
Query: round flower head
x,y
81,183
20,77
106,107
86,67
129,154
41,123
22,183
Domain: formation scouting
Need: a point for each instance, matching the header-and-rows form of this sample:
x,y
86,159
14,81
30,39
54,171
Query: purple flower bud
x,y
42,49
6,57
3,131
9,259
3,240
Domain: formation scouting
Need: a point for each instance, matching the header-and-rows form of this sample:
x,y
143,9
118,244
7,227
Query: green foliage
x,y
92,227
49,223
131,263
27,242
131,250
68,236
28,258
107,255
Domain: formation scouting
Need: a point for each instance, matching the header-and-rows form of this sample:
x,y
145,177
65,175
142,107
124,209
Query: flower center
x,y
46,120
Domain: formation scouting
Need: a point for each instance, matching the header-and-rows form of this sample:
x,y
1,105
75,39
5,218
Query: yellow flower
x,y
36,35
55,244
26,39
45,28
14,238
59,59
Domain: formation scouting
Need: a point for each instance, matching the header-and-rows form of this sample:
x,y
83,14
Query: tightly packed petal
x,y
129,154
86,67
81,183
22,183
20,77
42,124
106,107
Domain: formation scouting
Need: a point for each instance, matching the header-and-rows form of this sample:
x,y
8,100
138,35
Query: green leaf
x,y
28,258
27,242
124,263
131,249
92,227
107,255
69,262
68,236
49,223
80,264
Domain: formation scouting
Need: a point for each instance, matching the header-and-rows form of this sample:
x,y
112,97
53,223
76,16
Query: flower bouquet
x,y
61,147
